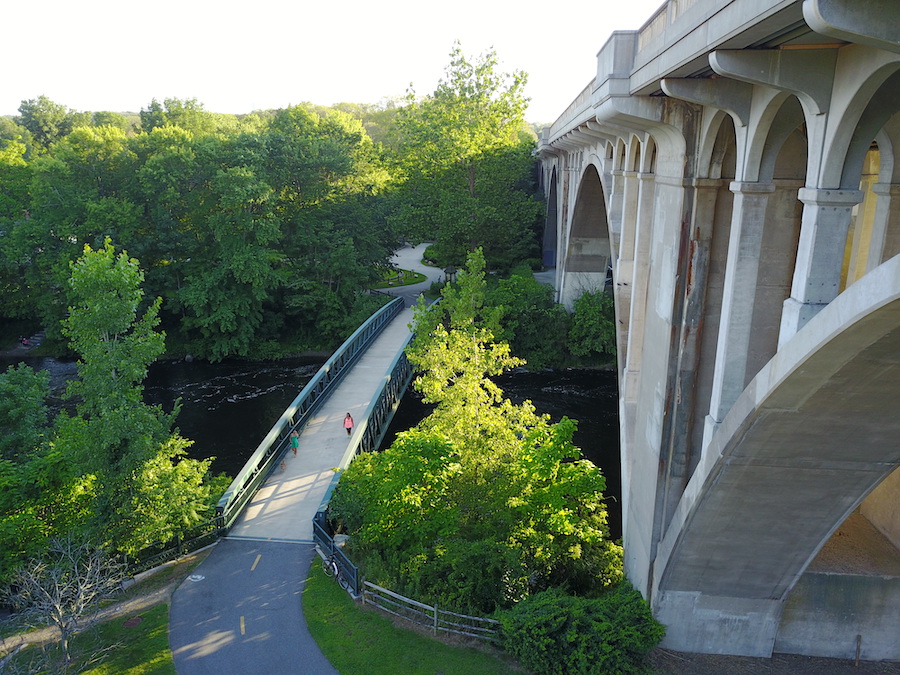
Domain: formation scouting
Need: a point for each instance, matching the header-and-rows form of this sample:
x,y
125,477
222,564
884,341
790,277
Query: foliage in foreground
x,y
360,642
112,471
556,634
109,648
484,502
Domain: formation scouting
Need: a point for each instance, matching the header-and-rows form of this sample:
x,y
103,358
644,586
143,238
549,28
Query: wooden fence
x,y
429,616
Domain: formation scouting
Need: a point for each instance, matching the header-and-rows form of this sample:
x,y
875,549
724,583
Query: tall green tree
x,y
484,502
47,121
467,156
114,437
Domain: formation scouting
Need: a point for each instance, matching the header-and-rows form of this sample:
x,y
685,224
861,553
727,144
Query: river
x,y
227,408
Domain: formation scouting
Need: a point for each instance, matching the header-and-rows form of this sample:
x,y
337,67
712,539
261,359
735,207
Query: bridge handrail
x,y
373,425
258,466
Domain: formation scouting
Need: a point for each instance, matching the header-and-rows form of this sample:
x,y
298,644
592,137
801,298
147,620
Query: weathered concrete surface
x,y
741,159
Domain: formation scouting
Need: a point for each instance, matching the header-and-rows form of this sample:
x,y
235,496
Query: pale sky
x,y
238,57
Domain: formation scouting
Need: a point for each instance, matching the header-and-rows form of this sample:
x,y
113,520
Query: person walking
x,y
295,441
348,423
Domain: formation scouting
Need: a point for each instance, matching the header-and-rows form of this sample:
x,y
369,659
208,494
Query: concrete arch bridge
x,y
735,164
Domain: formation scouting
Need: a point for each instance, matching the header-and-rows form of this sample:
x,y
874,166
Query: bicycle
x,y
332,569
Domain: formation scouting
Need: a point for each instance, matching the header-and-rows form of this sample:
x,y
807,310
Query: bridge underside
x,y
809,438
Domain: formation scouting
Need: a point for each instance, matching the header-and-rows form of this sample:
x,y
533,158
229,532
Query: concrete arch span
x,y
588,241
811,436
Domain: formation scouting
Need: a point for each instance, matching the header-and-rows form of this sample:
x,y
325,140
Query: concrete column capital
x,y
741,187
871,23
886,189
707,183
630,174
825,197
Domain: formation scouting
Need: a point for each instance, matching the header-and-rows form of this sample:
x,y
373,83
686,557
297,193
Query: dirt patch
x,y
665,662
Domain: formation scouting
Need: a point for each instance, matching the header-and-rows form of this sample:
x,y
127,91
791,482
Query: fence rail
x,y
429,616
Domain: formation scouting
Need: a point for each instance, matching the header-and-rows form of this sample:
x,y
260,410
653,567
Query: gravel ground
x,y
665,662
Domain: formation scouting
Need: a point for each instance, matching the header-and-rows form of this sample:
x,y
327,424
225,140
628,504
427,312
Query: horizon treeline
x,y
262,232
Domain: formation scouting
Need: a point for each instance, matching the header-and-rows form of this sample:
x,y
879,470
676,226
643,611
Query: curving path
x,y
241,612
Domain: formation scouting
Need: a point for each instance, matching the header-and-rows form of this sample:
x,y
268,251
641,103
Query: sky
x,y
236,57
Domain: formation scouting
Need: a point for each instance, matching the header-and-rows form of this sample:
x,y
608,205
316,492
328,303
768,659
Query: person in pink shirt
x,y
348,423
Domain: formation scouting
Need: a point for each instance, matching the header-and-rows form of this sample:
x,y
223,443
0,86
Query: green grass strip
x,y
363,641
401,278
109,648
141,649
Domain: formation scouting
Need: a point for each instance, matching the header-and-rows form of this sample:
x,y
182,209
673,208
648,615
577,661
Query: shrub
x,y
593,331
553,633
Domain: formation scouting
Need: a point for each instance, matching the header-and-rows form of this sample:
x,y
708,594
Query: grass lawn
x,y
134,645
363,641
400,278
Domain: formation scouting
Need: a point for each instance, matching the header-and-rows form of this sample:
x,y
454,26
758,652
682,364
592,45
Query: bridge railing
x,y
260,464
369,434
264,458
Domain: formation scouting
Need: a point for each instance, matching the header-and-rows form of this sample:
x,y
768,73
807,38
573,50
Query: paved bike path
x,y
241,612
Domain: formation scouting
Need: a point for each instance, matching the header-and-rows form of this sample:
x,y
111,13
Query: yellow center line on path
x,y
243,627
256,562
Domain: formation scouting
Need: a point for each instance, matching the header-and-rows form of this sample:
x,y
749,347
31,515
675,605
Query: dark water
x,y
227,408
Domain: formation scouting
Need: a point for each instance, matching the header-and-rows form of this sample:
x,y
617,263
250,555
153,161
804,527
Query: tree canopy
x,y
112,471
466,157
484,502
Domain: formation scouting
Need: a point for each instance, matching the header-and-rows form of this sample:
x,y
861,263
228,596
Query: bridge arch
x,y
767,480
588,241
550,240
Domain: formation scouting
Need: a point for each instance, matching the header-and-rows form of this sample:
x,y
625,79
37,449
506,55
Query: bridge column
x,y
682,442
639,281
823,239
885,243
739,295
623,269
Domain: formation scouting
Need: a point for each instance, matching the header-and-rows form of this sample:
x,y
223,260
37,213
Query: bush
x,y
593,330
553,633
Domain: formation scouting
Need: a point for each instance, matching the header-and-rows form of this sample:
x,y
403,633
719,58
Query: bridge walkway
x,y
241,611
283,508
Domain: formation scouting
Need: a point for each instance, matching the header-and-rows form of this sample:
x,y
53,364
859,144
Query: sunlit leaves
x,y
484,502
467,165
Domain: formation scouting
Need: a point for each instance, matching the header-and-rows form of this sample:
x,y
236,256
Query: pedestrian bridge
x,y
277,494
735,164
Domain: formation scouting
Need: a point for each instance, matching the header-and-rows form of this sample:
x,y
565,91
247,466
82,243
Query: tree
x,y
532,322
38,498
484,502
593,331
189,114
468,164
23,411
124,448
62,587
48,121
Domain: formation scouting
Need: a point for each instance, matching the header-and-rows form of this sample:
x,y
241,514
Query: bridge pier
x,y
823,237
736,163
